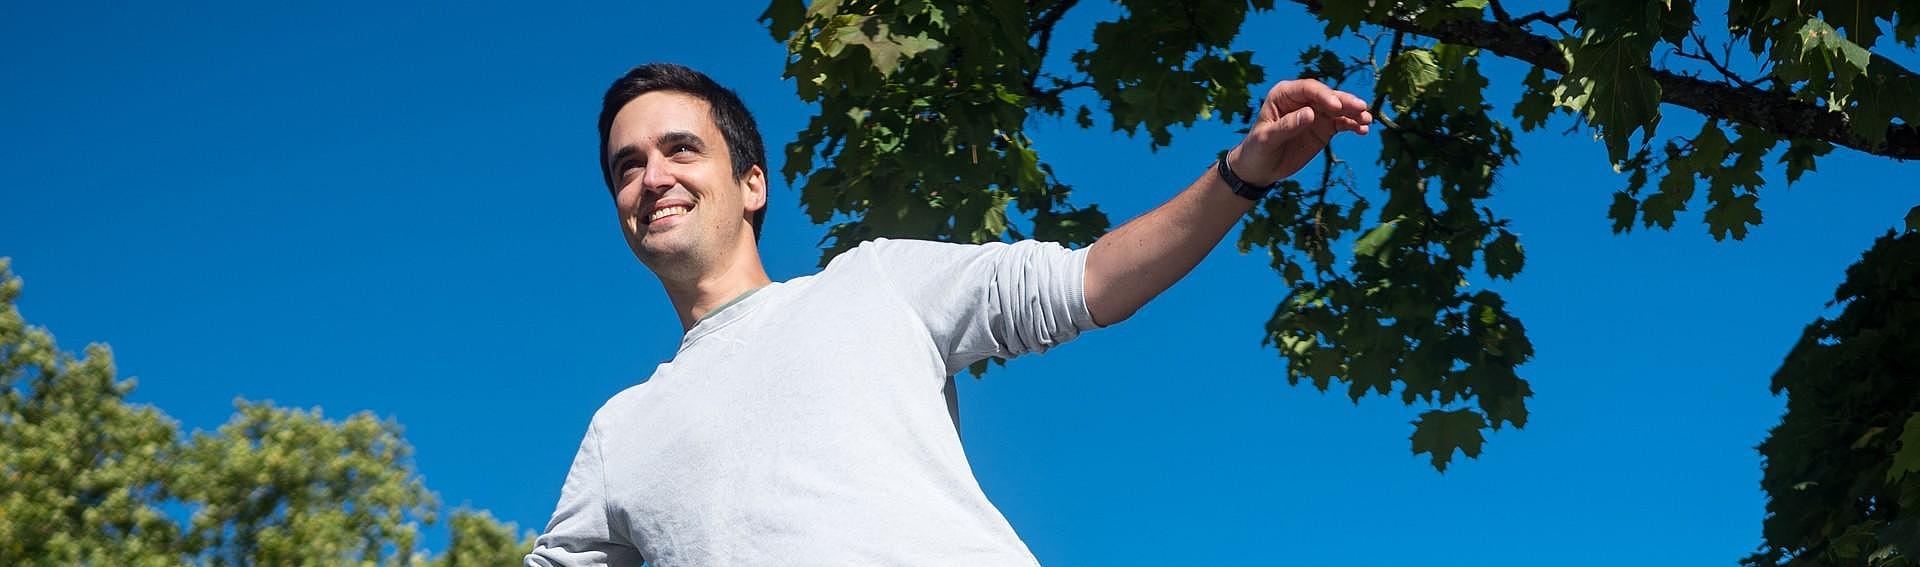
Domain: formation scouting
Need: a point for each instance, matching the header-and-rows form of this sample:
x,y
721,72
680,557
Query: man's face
x,y
681,207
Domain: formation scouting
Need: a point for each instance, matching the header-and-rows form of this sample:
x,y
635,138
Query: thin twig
x,y
1551,20
1707,56
1499,12
1044,27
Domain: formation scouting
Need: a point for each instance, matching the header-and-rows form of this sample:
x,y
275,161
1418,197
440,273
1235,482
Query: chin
x,y
667,259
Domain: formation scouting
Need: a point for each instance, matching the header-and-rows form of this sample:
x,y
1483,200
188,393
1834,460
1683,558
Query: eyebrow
x,y
683,137
669,138
624,152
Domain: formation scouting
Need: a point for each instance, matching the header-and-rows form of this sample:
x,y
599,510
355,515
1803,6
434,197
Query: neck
x,y
695,297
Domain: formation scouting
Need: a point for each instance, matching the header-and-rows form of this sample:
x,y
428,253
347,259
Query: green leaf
x,y
1408,75
1858,18
1866,438
1504,256
1439,433
1536,100
1709,146
1624,17
1343,15
1658,209
887,49
1374,241
1677,21
1800,155
783,17
1622,212
1731,217
1907,459
1608,82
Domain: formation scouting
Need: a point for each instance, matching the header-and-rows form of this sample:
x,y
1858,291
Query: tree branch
x,y
1042,26
1499,12
1706,56
1553,20
1770,111
1058,88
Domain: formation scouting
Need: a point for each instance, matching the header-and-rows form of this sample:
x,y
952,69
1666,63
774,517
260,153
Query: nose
x,y
657,177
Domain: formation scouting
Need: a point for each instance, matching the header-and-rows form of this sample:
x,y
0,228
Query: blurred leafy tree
x,y
1839,467
923,107
478,540
89,478
278,487
81,471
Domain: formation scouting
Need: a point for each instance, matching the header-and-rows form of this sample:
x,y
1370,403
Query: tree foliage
x,y
90,479
1840,467
923,106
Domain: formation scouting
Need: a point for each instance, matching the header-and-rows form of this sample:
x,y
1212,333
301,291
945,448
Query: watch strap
x,y
1240,186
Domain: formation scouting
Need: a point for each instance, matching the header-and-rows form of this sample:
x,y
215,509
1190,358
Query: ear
x,y
754,185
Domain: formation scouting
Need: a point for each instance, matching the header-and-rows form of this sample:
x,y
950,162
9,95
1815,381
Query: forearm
x,y
1142,258
1135,262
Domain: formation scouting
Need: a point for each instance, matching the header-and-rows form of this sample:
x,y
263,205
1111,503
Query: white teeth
x,y
663,213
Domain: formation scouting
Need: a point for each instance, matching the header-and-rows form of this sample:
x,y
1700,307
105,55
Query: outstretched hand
x,y
1297,119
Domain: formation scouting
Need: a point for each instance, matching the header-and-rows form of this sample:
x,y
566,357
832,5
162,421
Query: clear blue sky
x,y
394,208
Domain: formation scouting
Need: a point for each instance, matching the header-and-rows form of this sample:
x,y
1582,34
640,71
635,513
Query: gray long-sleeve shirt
x,y
807,424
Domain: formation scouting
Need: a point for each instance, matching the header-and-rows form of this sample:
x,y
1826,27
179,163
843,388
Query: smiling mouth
x,y
665,212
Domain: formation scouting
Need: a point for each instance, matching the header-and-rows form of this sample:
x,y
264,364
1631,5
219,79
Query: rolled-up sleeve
x,y
995,299
581,532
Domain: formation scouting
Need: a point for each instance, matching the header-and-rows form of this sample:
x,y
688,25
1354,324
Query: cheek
x,y
623,205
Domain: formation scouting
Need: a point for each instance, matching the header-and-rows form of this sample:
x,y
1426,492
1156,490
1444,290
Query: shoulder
x,y
909,253
628,403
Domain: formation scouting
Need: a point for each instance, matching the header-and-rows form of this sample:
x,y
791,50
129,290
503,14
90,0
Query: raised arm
x,y
1143,257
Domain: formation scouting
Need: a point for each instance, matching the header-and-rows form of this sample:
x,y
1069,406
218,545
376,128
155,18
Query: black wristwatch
x,y
1240,186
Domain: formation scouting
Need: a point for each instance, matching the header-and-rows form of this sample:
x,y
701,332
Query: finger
x,y
1301,93
1351,103
1349,124
1346,124
1293,123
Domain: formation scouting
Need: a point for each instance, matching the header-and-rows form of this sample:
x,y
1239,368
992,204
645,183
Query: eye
x,y
628,169
679,148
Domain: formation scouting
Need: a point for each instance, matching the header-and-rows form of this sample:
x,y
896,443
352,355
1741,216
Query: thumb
x,y
1293,124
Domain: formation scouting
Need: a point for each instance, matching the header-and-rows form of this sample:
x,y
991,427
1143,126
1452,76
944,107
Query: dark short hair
x,y
728,114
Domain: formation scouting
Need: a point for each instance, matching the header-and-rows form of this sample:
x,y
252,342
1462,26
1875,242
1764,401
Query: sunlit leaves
x,y
478,539
1382,281
884,48
1371,244
1860,20
920,130
1407,75
281,486
1608,83
1399,319
1821,53
91,479
1166,64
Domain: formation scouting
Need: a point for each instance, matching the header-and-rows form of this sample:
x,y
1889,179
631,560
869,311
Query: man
x,y
808,421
